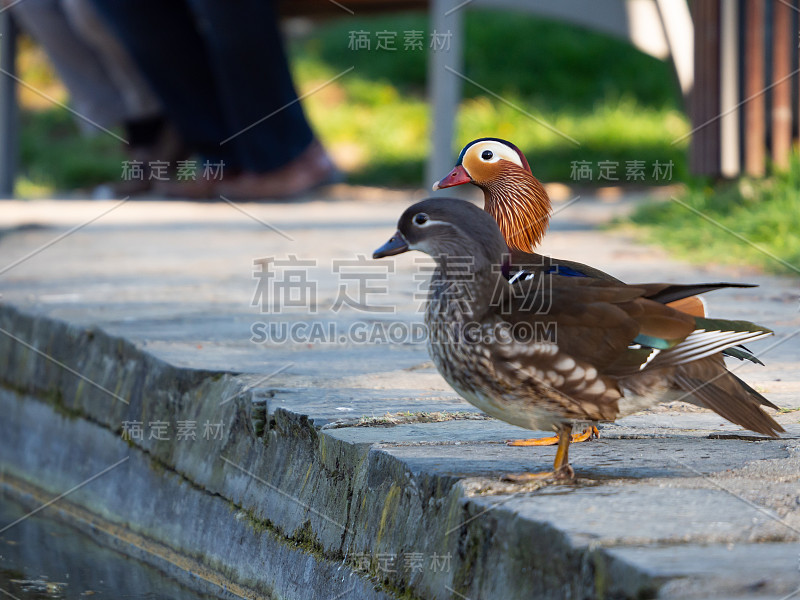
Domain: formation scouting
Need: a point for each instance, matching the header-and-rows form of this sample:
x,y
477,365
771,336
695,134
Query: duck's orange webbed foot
x,y
565,473
561,468
586,434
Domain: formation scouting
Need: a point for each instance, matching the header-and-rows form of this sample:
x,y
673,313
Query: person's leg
x,y
151,137
92,94
140,100
264,118
162,38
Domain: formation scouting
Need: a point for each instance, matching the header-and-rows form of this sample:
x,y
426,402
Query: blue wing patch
x,y
523,275
564,271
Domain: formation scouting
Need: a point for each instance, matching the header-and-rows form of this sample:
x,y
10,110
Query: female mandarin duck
x,y
616,351
520,205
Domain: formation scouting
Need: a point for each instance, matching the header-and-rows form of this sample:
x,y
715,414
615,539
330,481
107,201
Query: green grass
x,y
56,157
617,102
554,65
763,212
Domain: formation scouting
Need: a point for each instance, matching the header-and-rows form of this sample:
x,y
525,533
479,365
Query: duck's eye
x,y
420,219
487,155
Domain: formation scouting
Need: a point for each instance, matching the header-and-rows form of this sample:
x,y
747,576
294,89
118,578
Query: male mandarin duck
x,y
516,199
616,351
520,205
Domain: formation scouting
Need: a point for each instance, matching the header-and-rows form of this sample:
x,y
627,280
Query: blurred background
x,y
622,103
711,108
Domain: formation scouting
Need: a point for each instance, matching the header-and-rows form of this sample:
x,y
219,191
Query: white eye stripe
x,y
432,222
428,221
498,151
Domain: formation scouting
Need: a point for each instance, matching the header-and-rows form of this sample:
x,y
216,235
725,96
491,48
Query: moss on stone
x,y
305,538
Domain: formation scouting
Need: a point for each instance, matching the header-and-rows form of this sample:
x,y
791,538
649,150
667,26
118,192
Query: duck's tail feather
x,y
708,384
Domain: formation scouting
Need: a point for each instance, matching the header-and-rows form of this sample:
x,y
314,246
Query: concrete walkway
x,y
321,463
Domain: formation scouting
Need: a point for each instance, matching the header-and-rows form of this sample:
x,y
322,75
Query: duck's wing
x,y
595,321
617,329
681,297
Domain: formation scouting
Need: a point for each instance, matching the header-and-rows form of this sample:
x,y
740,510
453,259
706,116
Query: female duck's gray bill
x,y
397,244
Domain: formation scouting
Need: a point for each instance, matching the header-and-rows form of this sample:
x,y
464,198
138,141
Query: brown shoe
x,y
309,170
168,148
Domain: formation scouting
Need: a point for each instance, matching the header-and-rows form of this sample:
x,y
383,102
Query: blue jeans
x,y
218,67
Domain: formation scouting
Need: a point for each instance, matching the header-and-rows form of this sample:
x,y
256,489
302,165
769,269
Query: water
x,y
41,558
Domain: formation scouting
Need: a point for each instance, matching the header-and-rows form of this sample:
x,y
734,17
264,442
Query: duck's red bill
x,y
457,176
